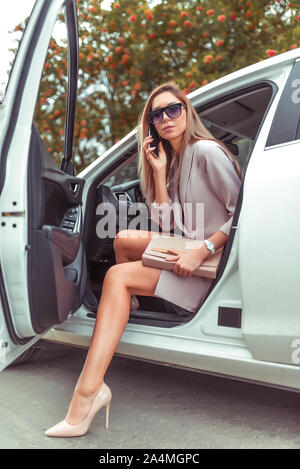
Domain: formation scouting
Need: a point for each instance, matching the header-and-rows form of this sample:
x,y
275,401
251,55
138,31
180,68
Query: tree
x,y
133,47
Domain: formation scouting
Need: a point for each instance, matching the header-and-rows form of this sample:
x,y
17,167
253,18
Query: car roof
x,y
276,61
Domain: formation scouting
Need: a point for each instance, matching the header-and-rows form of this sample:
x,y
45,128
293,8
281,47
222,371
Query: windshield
x,y
12,22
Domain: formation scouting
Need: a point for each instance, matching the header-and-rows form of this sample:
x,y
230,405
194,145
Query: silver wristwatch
x,y
210,246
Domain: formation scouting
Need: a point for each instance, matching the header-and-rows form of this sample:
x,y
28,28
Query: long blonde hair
x,y
195,130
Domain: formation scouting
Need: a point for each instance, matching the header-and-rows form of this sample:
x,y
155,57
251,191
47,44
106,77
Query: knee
x,y
114,274
120,239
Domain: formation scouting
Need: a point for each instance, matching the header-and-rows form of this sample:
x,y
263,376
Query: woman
x,y
191,167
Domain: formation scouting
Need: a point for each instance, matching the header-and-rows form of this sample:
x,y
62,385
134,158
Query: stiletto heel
x,y
65,429
134,303
107,416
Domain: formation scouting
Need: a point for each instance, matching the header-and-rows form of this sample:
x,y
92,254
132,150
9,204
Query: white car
x,y
53,262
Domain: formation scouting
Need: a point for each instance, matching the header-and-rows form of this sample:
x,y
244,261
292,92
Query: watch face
x,y
210,246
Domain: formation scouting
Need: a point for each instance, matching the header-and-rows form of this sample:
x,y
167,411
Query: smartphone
x,y
153,133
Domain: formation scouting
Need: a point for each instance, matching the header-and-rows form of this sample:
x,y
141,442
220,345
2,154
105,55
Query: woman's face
x,y
169,129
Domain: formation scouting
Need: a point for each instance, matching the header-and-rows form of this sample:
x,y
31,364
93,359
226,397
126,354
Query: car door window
x,y
286,124
50,111
127,172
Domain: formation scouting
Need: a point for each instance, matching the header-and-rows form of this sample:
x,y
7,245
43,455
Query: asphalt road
x,y
152,407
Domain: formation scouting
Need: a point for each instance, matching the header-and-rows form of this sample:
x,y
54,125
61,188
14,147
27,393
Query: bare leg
x,y
129,245
127,279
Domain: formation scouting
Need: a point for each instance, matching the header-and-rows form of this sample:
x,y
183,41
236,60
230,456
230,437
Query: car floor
x,y
152,311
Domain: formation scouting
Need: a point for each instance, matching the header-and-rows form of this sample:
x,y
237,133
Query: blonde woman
x,y
191,168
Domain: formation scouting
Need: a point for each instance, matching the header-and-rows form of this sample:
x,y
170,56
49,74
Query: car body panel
x,y
269,253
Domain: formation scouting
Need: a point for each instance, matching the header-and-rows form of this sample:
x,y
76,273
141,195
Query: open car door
x,y
42,261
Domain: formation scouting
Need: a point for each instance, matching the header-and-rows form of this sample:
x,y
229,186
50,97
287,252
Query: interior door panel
x,y
56,258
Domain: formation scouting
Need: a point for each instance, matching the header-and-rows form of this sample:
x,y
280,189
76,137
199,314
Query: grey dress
x,y
203,203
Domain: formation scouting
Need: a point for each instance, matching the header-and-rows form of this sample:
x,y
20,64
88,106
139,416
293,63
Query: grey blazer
x,y
202,203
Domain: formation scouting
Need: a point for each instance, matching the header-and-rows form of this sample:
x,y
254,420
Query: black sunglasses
x,y
172,110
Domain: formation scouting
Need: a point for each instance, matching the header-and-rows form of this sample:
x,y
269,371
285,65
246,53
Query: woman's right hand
x,y
159,163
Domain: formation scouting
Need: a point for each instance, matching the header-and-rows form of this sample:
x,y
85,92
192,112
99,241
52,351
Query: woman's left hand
x,y
187,262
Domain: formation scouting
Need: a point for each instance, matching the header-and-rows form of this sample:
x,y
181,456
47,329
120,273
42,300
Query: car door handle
x,y
74,187
71,186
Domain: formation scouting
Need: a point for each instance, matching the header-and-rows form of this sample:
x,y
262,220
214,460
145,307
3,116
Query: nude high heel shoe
x,y
64,429
134,303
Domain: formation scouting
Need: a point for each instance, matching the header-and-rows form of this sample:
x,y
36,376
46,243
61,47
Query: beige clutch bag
x,y
162,247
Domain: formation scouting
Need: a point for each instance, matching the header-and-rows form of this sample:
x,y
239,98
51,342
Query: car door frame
x,y
71,23
13,343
